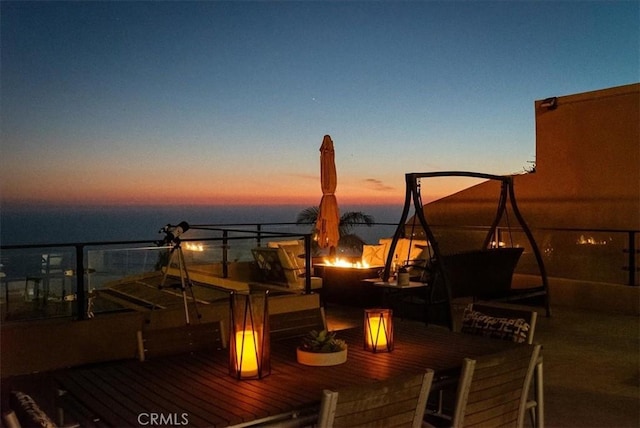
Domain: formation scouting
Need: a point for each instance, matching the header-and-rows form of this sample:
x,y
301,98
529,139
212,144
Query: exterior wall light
x,y
550,103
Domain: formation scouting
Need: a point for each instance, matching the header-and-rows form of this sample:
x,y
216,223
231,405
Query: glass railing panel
x,y
577,255
585,255
240,239
107,264
37,282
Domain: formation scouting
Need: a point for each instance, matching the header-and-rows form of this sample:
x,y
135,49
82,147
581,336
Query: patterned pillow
x,y
28,412
512,329
400,252
373,255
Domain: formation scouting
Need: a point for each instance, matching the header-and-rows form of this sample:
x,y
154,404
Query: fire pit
x,y
342,282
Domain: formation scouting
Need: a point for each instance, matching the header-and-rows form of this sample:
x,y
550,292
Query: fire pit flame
x,y
339,262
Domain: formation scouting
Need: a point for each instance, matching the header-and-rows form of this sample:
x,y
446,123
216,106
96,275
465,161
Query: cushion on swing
x,y
482,273
406,251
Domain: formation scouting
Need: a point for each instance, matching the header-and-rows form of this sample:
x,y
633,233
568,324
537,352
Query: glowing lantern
x,y
378,330
249,347
247,351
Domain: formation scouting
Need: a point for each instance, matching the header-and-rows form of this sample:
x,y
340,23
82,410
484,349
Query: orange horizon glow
x,y
195,198
299,191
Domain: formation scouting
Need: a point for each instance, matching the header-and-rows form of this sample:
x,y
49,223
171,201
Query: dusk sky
x,y
228,102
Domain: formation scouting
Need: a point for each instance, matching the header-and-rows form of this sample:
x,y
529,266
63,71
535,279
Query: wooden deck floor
x,y
577,344
199,385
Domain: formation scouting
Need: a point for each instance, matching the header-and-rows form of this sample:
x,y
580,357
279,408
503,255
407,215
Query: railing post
x,y
307,260
225,258
632,258
81,296
259,235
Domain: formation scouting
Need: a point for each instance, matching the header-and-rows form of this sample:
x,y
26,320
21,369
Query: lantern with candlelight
x,y
249,346
378,330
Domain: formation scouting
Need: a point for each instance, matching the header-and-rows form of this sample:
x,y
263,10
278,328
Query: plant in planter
x,y
321,348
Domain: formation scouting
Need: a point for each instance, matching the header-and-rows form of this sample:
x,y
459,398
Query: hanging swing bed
x,y
482,274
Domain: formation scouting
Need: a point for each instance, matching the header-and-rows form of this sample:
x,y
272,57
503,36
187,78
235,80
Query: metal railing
x,y
602,255
25,263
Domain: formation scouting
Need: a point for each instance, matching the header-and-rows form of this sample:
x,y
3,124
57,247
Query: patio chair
x,y
51,268
282,263
397,402
513,324
504,322
492,390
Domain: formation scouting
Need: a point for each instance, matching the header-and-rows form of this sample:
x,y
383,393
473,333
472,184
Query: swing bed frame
x,y
447,272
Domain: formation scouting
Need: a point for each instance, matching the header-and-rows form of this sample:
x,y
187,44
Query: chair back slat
x,y
493,389
397,402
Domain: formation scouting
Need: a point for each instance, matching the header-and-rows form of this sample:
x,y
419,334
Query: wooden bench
x,y
182,339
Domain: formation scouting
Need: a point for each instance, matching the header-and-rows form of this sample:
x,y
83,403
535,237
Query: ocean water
x,y
81,224
47,225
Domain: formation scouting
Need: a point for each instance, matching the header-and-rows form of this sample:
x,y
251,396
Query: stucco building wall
x,y
587,176
587,168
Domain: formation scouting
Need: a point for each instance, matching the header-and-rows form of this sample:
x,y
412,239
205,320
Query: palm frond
x,y
308,215
353,218
348,221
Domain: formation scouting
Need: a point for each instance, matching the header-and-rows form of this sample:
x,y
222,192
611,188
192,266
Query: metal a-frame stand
x,y
507,193
185,281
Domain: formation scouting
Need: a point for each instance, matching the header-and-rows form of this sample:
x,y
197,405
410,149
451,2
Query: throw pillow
x,y
373,255
512,329
29,412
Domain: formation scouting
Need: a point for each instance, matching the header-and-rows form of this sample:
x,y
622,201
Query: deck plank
x,y
162,396
94,399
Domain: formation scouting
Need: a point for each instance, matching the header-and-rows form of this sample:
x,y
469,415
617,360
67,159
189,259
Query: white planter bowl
x,y
321,358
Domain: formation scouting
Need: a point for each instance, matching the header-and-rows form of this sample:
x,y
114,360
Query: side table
x,y
401,297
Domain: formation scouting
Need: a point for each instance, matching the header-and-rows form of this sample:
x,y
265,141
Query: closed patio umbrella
x,y
328,221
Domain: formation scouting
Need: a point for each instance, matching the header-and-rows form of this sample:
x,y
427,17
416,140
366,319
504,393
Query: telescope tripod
x,y
185,281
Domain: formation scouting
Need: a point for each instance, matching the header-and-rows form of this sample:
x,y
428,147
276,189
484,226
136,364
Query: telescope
x,y
172,236
172,233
